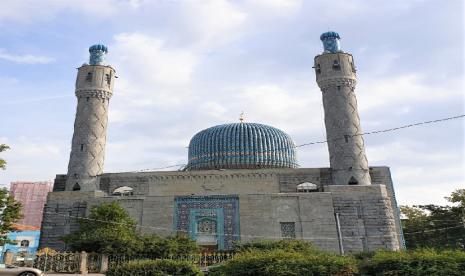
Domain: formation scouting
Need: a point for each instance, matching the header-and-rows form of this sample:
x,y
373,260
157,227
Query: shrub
x,y
418,262
158,247
155,268
281,263
288,245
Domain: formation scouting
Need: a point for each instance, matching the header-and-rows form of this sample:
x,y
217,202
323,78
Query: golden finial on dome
x,y
241,117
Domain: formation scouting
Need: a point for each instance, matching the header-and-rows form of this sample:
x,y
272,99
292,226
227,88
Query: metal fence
x,y
74,262
201,259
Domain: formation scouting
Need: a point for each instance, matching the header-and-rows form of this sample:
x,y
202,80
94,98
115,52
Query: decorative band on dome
x,y
241,146
329,35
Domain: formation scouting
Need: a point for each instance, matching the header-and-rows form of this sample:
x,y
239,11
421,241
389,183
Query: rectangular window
x,y
288,230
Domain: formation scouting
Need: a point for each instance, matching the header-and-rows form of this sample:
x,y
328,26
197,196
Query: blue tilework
x,y
224,209
241,146
97,54
331,42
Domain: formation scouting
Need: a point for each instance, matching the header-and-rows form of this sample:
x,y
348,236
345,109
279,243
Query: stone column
x,y
94,88
335,75
104,263
8,257
83,264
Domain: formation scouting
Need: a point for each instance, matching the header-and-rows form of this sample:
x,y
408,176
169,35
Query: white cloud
x,y
411,151
150,60
404,90
150,73
277,7
25,59
29,11
31,159
213,22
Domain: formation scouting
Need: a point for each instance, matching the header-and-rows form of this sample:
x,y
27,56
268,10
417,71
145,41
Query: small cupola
x,y
307,187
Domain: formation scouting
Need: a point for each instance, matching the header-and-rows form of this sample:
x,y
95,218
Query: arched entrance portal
x,y
213,221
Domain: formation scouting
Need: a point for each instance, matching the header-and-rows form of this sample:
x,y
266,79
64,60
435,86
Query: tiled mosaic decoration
x,y
192,212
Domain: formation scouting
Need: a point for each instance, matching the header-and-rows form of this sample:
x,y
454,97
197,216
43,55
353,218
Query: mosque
x,y
242,181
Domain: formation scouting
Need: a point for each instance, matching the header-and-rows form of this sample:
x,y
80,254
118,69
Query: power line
x,y
386,130
187,166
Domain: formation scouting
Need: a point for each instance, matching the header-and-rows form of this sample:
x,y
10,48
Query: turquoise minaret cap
x,y
331,42
97,54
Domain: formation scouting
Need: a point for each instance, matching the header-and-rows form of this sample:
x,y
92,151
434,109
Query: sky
x,y
184,66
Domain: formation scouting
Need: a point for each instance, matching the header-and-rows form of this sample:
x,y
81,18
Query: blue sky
x,y
187,65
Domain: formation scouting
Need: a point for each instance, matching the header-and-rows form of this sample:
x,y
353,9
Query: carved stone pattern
x,y
334,82
94,93
345,144
90,131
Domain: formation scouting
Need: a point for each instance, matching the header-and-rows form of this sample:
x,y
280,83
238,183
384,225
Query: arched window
x,y
24,243
353,181
123,191
76,187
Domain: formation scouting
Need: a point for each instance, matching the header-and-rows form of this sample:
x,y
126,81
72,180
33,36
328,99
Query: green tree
x,y
10,213
3,147
10,210
108,229
158,247
440,227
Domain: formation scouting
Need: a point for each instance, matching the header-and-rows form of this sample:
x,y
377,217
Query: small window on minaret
x,y
346,137
336,65
108,78
76,187
89,77
318,69
82,147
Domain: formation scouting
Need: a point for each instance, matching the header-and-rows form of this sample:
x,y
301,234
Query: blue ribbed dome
x,y
241,146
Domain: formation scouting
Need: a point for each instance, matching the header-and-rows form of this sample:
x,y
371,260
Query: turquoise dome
x,y
241,146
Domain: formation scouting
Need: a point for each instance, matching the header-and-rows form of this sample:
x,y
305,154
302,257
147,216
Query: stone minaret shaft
x,y
335,75
94,88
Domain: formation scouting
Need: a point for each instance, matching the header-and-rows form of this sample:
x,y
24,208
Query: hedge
x,y
288,245
414,263
282,263
155,268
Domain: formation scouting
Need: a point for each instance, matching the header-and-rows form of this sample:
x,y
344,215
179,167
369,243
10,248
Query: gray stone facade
x,y
267,197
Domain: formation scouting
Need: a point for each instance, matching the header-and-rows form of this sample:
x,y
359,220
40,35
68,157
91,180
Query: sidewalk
x,y
67,274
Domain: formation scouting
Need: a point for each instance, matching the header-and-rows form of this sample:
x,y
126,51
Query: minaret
x,y
94,88
335,75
